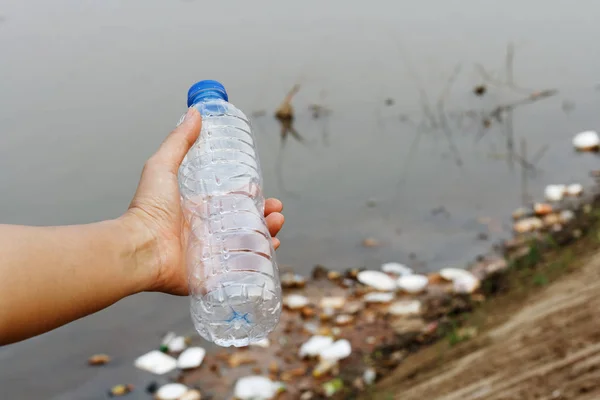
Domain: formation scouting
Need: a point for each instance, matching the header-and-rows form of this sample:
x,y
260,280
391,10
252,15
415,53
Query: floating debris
x,y
413,283
555,192
575,189
99,359
377,280
480,90
371,242
528,225
120,390
586,141
336,351
396,269
191,358
405,307
314,345
256,388
156,362
295,301
336,302
171,391
379,297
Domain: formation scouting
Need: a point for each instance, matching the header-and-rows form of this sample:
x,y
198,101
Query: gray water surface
x,y
89,89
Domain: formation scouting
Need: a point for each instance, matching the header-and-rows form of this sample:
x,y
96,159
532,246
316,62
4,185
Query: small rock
x,y
371,242
575,189
327,314
167,338
352,307
308,312
332,302
191,358
288,376
413,283
566,216
377,280
177,344
333,275
379,297
466,284
555,192
369,376
344,319
99,359
323,367
291,281
551,219
407,325
273,367
156,362
336,351
586,141
308,395
310,328
371,340
542,208
314,345
171,391
192,395
295,301
405,307
240,358
319,272
521,212
396,269
120,390
496,266
264,343
256,388
528,225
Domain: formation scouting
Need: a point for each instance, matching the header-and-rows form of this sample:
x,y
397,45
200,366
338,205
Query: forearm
x,y
50,276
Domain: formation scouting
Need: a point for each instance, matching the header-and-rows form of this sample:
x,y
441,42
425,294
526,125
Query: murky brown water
x,y
89,89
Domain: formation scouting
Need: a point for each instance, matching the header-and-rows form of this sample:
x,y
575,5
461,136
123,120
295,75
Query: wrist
x,y
142,256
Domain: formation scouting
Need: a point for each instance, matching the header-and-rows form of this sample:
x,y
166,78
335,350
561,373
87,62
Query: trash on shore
x,y
171,391
156,362
574,189
379,297
256,388
314,345
191,358
336,351
405,307
377,280
295,301
413,283
555,192
396,269
99,359
120,390
586,141
530,224
371,242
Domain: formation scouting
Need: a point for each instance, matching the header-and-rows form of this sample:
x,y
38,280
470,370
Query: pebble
x,y
192,395
240,358
344,319
413,283
542,208
528,225
379,297
99,359
377,280
264,343
314,345
521,212
371,242
256,387
332,302
336,351
466,284
586,141
120,390
369,376
555,192
396,269
566,216
323,367
156,362
405,307
177,344
171,391
191,358
575,189
290,280
295,301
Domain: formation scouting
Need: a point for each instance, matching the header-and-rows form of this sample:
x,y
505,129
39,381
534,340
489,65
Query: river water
x,y
89,89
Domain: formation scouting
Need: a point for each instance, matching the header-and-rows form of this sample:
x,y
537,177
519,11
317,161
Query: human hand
x,y
155,213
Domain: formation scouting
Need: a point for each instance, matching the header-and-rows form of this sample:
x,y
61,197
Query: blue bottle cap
x,y
206,89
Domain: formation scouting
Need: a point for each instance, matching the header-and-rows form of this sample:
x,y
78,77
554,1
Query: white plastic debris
x,y
264,343
335,303
528,225
450,274
575,189
396,269
587,140
336,351
369,376
295,301
156,362
379,297
413,283
177,344
466,284
171,391
405,307
192,395
555,192
377,280
566,216
168,337
256,387
314,345
191,358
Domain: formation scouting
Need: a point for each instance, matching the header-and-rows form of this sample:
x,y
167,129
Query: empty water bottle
x,y
233,277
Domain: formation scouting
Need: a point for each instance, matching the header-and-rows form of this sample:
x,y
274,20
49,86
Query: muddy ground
x,y
540,340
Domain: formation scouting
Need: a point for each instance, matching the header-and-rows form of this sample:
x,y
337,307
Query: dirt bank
x,y
538,341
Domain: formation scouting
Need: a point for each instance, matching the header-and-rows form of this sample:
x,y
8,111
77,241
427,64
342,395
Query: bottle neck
x,y
206,95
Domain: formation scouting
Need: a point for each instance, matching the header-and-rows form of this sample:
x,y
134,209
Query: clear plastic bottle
x,y
233,277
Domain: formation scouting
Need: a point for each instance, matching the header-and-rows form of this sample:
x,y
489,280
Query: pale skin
x,y
50,276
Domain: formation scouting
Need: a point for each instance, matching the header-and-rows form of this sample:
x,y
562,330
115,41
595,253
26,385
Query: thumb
x,y
172,151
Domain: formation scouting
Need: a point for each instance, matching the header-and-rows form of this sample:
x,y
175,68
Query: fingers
x,y
276,243
275,222
273,205
179,141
